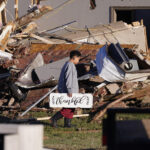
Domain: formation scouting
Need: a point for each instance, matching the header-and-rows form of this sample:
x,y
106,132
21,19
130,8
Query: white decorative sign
x,y
76,101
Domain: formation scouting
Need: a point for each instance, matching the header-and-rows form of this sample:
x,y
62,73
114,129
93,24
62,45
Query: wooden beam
x,y
1,23
4,36
109,105
4,18
16,9
3,12
32,2
2,5
47,41
32,16
37,2
75,116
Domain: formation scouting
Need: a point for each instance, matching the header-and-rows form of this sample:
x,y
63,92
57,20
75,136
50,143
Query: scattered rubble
x,y
113,88
30,63
11,101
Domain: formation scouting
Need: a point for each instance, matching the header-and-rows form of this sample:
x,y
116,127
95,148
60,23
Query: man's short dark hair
x,y
75,53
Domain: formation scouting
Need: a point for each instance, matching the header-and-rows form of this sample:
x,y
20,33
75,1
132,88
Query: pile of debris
x,y
114,66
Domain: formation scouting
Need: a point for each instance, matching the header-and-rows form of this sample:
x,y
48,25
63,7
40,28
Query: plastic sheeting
x,y
107,69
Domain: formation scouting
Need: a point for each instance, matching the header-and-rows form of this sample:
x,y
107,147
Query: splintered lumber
x,y
109,105
2,5
16,9
136,23
4,18
32,16
41,39
1,20
4,36
37,2
75,116
138,94
3,11
32,2
30,28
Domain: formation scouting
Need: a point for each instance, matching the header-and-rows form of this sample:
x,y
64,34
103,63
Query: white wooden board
x,y
76,101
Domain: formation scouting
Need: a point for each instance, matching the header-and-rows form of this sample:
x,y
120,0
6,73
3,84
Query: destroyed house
x,y
36,39
33,43
98,12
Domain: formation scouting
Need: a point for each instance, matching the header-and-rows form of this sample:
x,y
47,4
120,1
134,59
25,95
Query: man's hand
x,y
69,94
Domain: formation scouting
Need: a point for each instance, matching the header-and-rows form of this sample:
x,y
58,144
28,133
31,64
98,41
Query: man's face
x,y
76,60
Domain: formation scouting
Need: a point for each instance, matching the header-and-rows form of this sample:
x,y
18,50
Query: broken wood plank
x,y
41,39
142,22
37,2
141,92
24,20
2,5
10,107
30,28
4,18
32,2
146,42
136,23
1,23
3,12
16,9
8,29
75,116
109,105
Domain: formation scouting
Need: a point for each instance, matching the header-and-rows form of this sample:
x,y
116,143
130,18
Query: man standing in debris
x,y
68,83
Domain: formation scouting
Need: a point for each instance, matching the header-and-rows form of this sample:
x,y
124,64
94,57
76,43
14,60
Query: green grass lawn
x,y
83,136
72,140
